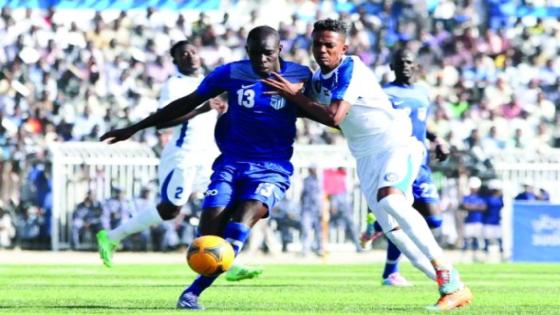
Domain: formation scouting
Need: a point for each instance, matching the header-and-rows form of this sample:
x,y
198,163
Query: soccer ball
x,y
210,255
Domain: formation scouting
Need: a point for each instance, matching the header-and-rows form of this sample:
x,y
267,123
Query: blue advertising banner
x,y
536,232
202,5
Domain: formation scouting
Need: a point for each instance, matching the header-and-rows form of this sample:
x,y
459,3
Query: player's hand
x,y
282,86
218,105
117,135
442,151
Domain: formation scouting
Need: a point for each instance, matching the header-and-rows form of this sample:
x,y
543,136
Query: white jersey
x,y
196,136
372,126
186,161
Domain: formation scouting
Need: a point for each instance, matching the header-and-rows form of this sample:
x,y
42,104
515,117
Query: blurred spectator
x,y
311,213
29,226
528,192
286,213
67,77
86,222
263,238
543,194
342,213
7,230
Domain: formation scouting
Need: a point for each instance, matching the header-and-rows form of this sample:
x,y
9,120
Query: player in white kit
x,y
345,93
186,161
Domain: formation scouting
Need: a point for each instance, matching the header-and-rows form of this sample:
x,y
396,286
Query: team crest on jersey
x,y
277,102
391,177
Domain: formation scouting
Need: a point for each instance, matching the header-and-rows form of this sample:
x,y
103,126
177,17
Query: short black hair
x,y
262,31
176,46
332,25
399,53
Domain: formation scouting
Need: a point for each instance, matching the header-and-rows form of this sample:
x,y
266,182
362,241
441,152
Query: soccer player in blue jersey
x,y
492,217
408,96
344,93
475,205
255,137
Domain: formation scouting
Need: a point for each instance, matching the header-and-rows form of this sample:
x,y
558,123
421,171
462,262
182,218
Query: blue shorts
x,y
423,188
234,180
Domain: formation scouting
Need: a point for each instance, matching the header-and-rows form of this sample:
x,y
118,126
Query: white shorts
x,y
473,230
491,231
394,168
179,177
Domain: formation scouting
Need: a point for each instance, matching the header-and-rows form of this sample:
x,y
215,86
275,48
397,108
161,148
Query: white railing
x,y
514,168
79,167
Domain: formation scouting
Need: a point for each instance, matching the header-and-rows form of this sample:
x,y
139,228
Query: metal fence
x,y
80,167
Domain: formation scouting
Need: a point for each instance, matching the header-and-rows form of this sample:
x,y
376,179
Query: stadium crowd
x,y
494,81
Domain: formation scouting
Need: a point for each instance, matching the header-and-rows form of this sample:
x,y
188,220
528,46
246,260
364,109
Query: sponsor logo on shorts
x,y
211,192
391,177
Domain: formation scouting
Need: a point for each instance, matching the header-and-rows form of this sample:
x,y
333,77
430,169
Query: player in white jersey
x,y
186,161
344,93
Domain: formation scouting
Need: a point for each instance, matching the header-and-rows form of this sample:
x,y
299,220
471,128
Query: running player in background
x,y
379,138
185,163
404,94
255,137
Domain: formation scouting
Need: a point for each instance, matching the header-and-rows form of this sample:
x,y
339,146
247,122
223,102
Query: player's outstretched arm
x,y
214,103
330,115
177,108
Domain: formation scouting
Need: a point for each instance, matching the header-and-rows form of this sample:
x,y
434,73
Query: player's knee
x,y
168,211
434,221
384,192
392,203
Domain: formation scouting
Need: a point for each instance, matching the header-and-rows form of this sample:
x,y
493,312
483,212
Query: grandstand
x,y
71,70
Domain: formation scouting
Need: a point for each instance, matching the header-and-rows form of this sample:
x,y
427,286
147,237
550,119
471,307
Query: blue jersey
x,y
255,136
256,126
415,100
474,216
412,98
492,215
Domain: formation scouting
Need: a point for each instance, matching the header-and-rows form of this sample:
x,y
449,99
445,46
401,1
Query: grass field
x,y
282,289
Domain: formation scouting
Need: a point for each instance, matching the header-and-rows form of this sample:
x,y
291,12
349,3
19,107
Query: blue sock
x,y
501,245
434,221
392,262
475,246
200,284
236,234
377,227
486,245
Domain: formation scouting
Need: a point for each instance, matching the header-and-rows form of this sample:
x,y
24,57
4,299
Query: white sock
x,y
413,224
412,252
137,223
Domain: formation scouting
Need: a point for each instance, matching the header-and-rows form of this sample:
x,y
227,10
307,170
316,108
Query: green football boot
x,y
106,248
238,273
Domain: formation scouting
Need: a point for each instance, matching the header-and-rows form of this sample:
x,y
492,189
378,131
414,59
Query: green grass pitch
x,y
281,289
